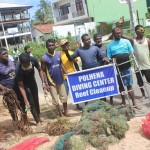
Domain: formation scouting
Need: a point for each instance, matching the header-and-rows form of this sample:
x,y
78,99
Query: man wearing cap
x,y
70,66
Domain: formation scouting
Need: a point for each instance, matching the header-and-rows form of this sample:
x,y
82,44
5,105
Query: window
x,y
79,5
64,9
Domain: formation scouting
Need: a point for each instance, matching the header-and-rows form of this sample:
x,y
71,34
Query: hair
x,y
138,26
24,58
96,35
50,41
2,49
84,35
26,47
114,29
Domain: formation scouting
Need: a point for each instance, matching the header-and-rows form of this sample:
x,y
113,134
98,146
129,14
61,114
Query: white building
x,y
70,11
14,24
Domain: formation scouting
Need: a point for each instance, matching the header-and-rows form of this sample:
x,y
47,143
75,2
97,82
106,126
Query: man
x,y
25,77
97,37
7,84
52,67
120,49
89,54
70,66
141,46
27,50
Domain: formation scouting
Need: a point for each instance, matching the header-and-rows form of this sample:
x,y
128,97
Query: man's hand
x,y
27,105
106,60
121,21
7,90
46,88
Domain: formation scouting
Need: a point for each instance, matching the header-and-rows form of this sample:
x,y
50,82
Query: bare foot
x,y
66,114
143,97
137,107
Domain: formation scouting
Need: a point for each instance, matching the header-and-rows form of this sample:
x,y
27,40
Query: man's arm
x,y
38,68
76,66
23,93
128,38
148,40
101,56
4,89
73,56
46,87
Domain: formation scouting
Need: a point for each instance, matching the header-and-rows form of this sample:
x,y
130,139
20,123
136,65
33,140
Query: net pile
x,y
59,127
101,124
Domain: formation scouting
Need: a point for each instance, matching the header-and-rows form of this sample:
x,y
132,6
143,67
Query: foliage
x,y
44,13
36,50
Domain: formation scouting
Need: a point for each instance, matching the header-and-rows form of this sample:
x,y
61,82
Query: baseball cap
x,y
62,42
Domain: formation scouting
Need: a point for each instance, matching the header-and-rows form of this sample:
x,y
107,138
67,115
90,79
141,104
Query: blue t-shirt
x,y
121,46
89,56
7,74
53,68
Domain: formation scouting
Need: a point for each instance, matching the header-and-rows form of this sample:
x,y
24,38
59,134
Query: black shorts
x,y
145,73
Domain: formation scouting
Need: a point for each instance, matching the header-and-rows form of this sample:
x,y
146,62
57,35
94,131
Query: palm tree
x,y
44,13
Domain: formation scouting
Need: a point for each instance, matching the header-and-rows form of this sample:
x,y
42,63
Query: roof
x,y
13,7
44,28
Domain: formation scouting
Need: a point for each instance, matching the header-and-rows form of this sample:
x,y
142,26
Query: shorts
x,y
127,80
66,86
145,73
58,90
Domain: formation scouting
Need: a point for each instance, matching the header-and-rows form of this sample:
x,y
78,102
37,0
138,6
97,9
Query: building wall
x,y
36,33
111,10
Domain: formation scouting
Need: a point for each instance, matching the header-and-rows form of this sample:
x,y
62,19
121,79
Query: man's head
x,y
86,40
116,32
3,54
50,44
139,30
27,49
97,37
24,59
64,44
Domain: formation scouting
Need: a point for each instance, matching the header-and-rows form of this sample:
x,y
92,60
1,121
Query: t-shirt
x,y
88,56
53,68
69,65
7,74
26,75
120,49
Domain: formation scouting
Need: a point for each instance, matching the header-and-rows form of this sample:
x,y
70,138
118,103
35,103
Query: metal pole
x,y
132,15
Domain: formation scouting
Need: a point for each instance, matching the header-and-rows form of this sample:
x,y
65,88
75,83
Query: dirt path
x,y
134,139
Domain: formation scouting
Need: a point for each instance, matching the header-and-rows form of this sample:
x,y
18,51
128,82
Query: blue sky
x,y
33,3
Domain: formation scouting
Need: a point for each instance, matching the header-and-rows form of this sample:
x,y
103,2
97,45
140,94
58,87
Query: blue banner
x,y
93,84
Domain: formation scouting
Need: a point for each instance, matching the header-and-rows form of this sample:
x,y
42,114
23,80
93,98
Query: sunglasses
x,y
141,30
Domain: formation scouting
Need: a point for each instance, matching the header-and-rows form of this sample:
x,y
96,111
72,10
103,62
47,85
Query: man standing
x,y
25,77
120,49
27,50
70,66
89,54
52,67
141,46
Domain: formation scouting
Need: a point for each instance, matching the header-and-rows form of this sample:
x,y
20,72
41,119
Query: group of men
x,y
55,65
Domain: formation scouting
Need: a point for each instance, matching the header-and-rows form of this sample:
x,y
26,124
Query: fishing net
x,y
101,124
59,127
20,119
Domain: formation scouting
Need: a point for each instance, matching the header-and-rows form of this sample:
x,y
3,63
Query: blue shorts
x,y
127,80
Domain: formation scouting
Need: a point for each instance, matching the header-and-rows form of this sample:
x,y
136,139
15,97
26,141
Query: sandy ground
x,y
134,139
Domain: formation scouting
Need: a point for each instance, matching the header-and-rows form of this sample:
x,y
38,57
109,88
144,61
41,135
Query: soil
x,y
134,139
